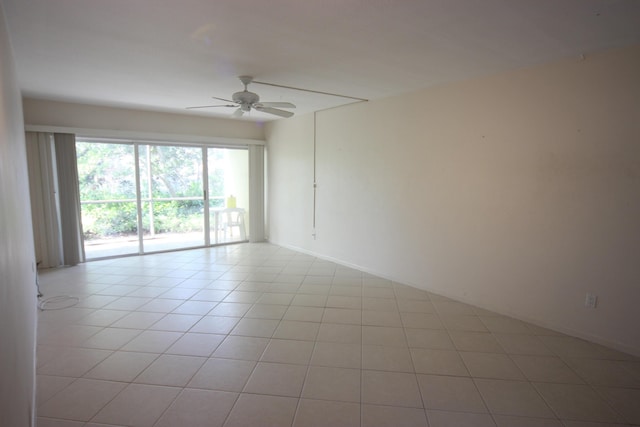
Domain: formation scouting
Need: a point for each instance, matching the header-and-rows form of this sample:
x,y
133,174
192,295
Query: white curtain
x,y
256,193
55,201
69,198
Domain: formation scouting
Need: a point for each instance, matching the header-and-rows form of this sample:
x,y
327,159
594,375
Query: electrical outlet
x,y
591,301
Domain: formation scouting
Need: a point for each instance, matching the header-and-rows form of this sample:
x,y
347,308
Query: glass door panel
x,y
172,197
228,194
107,182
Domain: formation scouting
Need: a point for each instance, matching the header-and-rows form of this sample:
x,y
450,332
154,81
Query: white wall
x,y
516,192
290,182
17,277
40,112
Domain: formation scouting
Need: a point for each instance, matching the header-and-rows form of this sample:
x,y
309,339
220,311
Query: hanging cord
x,y
38,279
58,302
54,303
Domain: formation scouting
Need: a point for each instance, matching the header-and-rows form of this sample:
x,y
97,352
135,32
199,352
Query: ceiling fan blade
x,y
278,104
238,113
274,111
210,106
225,100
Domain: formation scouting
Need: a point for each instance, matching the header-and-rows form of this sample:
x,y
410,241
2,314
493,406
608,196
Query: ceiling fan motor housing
x,y
245,97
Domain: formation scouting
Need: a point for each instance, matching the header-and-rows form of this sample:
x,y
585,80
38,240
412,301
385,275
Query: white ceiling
x,y
170,54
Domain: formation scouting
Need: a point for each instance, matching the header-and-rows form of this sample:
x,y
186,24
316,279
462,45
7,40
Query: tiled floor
x,y
257,335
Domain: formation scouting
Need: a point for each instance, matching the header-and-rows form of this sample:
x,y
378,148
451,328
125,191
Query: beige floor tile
x,y
288,351
407,292
610,373
333,332
505,325
80,400
255,327
569,423
566,346
523,344
152,341
344,301
127,303
223,374
276,379
195,307
384,335
328,383
231,309
96,301
308,300
392,416
297,330
386,358
47,386
266,311
379,304
415,306
69,335
121,366
110,338
198,408
102,317
375,292
381,318
216,295
461,322
337,355
276,298
421,320
138,405
304,314
429,338
546,369
245,348
215,324
262,410
623,400
458,419
475,341
312,318
52,422
450,393
321,413
194,344
390,388
513,398
511,421
74,362
161,305
176,322
491,365
171,370
342,315
310,289
242,297
577,402
138,320
438,362
453,307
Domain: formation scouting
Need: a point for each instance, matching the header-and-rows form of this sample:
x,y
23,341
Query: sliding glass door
x,y
107,180
172,197
141,197
228,194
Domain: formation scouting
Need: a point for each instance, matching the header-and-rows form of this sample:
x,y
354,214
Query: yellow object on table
x,y
231,201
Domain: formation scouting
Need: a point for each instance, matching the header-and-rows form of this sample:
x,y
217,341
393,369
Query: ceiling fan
x,y
245,101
